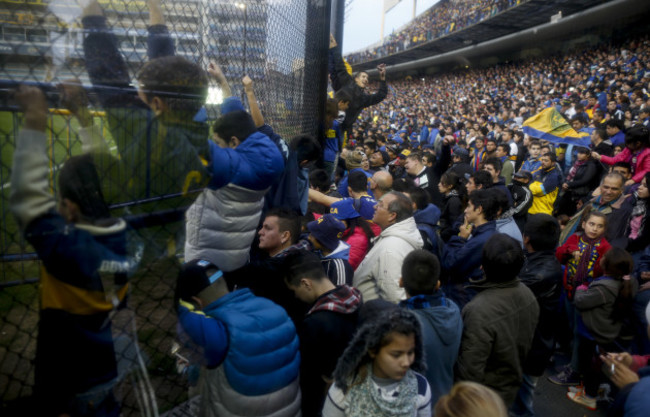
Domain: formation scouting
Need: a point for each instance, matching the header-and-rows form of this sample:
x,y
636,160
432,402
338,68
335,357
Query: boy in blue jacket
x,y
442,325
250,346
84,278
243,163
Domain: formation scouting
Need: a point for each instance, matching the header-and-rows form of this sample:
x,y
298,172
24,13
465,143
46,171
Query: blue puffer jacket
x,y
221,224
259,344
255,164
252,358
263,355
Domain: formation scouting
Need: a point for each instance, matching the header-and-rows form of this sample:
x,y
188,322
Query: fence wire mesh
x,y
149,175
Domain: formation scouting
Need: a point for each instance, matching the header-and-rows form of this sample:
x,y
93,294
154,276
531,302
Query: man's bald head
x,y
381,183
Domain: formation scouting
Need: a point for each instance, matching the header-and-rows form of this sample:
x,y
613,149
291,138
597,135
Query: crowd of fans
x,y
443,18
435,265
456,134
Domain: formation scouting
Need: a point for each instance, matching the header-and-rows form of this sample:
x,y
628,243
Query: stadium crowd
x,y
443,18
435,264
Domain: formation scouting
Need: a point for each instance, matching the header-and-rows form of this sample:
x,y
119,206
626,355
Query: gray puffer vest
x,y
221,224
218,399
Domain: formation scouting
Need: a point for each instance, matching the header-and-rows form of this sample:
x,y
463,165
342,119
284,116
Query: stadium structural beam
x,y
603,15
337,19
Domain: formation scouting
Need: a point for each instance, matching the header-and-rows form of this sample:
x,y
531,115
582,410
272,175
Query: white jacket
x,y
379,273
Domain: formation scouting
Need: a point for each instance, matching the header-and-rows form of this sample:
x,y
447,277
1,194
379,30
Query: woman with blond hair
x,y
470,399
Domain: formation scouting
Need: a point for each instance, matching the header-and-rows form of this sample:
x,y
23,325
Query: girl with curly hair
x,y
377,375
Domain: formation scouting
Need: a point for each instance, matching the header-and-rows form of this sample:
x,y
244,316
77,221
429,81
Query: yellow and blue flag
x,y
550,125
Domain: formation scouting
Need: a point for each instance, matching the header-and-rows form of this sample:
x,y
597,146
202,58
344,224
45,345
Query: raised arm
x,y
30,196
256,113
444,158
376,98
74,98
338,72
318,197
104,62
156,16
217,74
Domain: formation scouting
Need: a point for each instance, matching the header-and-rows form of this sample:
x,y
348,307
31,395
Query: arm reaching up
x,y
74,98
256,113
30,196
338,72
217,74
156,16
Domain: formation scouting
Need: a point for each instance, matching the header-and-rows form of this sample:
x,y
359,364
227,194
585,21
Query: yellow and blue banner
x,y
550,125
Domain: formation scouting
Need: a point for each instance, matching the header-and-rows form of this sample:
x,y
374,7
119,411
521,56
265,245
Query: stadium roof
x,y
526,15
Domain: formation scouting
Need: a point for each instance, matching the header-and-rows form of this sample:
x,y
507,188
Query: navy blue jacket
x,y
426,221
75,344
442,328
501,186
461,261
291,187
462,257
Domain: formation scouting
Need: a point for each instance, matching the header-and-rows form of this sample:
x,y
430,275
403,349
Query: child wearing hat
x,y
324,235
359,229
356,212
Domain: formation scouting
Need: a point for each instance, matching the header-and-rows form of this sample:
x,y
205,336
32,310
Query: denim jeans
x,y
572,315
523,405
642,346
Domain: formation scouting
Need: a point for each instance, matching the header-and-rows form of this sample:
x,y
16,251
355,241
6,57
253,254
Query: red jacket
x,y
359,244
564,254
642,162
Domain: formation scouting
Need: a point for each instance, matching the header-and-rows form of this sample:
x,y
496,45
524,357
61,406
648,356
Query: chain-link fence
x,y
148,176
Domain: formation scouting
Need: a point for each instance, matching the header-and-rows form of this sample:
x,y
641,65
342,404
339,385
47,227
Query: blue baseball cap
x,y
327,230
344,209
231,104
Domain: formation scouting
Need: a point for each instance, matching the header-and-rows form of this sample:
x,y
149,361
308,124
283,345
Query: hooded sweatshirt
x,y
508,226
379,273
337,265
596,305
426,221
442,328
